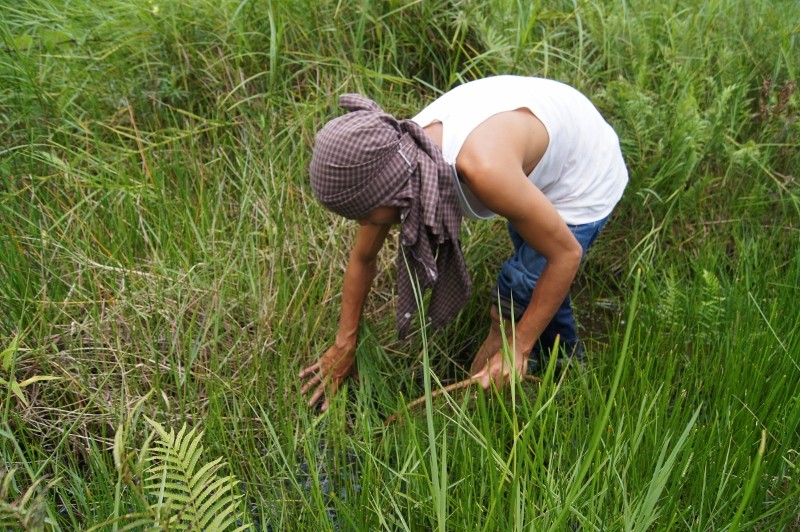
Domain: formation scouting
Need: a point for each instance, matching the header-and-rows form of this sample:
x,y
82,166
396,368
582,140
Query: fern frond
x,y
673,300
711,305
189,495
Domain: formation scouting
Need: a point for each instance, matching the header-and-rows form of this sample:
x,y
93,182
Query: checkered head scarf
x,y
367,159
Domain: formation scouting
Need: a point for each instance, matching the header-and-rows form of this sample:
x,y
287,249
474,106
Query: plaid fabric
x,y
367,159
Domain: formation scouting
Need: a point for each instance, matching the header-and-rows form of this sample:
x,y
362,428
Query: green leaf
x,y
193,496
7,356
214,493
14,385
202,477
162,476
160,429
223,511
51,38
23,42
38,378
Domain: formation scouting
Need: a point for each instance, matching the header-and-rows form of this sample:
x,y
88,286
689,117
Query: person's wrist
x,y
346,341
522,350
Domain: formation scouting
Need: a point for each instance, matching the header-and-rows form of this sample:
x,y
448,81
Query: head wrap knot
x,y
367,159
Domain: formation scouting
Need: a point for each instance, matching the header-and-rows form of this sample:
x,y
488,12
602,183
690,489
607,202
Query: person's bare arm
x,y
493,162
336,364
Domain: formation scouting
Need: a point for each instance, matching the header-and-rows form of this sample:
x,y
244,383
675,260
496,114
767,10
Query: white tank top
x,y
582,171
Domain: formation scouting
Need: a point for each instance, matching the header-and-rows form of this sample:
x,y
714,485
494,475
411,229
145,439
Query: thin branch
x,y
466,383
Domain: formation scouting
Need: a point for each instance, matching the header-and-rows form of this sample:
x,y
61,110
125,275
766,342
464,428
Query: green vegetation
x,y
161,255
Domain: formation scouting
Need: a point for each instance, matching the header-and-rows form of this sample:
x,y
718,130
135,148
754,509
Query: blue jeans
x,y
519,275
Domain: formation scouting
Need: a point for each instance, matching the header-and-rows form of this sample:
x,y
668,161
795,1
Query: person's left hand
x,y
498,368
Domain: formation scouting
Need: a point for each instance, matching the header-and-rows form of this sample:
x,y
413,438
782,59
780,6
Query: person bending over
x,y
532,150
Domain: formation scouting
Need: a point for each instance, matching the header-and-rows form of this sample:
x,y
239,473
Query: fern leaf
x,y
194,451
175,492
166,470
165,436
214,493
177,442
190,495
224,519
711,305
203,477
184,442
672,301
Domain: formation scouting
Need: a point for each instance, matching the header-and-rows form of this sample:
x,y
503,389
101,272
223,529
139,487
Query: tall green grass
x,y
161,254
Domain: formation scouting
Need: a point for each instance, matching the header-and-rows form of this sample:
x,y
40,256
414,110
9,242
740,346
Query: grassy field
x,y
164,265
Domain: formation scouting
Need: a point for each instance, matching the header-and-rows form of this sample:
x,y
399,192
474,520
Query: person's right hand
x,y
327,374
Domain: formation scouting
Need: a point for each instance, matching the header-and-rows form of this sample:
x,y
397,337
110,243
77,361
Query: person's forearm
x,y
357,282
550,291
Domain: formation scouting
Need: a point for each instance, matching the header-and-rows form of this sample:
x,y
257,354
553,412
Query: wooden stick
x,y
466,383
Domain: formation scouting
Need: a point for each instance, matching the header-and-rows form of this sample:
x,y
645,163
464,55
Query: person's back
x,y
579,174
